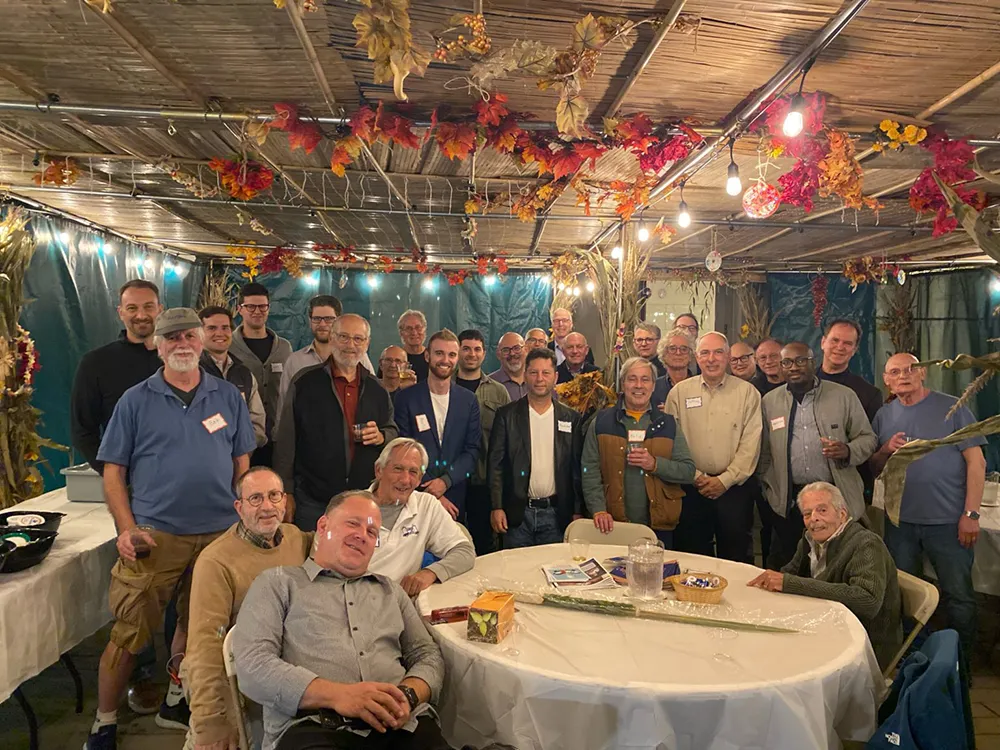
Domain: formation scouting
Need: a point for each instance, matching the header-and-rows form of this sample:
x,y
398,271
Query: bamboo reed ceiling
x,y
896,59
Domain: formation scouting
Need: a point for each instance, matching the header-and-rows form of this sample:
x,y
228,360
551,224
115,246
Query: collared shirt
x,y
301,359
516,390
542,480
722,425
180,458
560,354
808,462
817,550
348,392
300,623
258,540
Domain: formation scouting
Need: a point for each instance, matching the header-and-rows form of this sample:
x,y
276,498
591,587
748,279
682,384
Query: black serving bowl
x,y
50,523
32,553
6,548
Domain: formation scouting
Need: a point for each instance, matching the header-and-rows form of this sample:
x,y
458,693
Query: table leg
x,y
67,660
30,716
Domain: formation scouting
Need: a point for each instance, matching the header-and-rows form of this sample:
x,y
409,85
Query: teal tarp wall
x,y
71,292
792,310
516,304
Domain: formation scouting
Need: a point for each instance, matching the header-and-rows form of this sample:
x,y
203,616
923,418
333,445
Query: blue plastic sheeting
x,y
792,311
71,292
516,304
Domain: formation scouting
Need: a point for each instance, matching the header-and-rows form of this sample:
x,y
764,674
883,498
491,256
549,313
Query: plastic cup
x,y
579,549
358,432
139,543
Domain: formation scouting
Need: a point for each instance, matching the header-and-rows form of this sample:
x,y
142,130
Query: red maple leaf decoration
x,y
589,150
482,265
456,139
565,162
394,127
491,112
505,136
501,265
304,135
287,115
362,124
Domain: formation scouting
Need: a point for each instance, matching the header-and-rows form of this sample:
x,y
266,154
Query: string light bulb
x,y
591,287
490,279
643,234
576,291
734,185
616,252
683,215
373,281
794,122
428,283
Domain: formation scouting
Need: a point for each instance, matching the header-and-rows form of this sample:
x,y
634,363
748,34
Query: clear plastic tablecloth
x,y
48,609
567,679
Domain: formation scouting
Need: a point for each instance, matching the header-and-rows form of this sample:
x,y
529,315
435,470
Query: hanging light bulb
x,y
683,216
794,121
545,278
373,281
734,185
616,253
64,236
311,279
560,286
490,279
590,287
428,283
643,234
576,291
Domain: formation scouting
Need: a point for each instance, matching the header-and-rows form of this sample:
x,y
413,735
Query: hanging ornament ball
x,y
761,200
343,279
713,261
901,277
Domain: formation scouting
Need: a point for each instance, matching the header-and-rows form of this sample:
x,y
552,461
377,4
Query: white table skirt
x,y
566,679
50,608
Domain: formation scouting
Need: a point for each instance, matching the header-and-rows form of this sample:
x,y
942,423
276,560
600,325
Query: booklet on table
x,y
590,575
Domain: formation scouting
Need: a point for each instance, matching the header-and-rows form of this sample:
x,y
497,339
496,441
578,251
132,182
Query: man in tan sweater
x,y
222,576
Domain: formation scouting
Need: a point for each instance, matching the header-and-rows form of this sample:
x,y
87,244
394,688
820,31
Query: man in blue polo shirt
x,y
182,437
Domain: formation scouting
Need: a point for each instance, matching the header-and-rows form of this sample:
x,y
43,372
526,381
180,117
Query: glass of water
x,y
644,569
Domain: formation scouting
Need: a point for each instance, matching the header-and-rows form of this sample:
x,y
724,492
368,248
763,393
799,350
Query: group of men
x,y
177,411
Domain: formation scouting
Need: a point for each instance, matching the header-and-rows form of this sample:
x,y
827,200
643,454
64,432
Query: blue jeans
x,y
952,563
538,527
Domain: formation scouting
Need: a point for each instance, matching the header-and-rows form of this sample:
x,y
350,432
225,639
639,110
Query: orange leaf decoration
x,y
344,152
565,162
61,173
362,124
304,135
504,137
456,139
491,112
393,127
287,114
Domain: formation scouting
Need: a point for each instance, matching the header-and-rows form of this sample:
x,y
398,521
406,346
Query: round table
x,y
568,679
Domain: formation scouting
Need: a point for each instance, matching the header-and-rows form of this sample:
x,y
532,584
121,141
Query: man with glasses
x,y
720,417
768,376
688,323
334,420
741,361
577,353
675,352
562,327
395,373
264,353
511,351
412,334
221,579
647,339
939,513
535,339
324,309
814,431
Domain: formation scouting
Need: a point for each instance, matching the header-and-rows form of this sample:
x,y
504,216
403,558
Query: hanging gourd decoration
x,y
761,200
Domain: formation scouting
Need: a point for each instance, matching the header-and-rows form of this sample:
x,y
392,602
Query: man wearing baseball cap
x,y
182,437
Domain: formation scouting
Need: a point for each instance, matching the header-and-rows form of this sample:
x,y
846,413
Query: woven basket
x,y
695,594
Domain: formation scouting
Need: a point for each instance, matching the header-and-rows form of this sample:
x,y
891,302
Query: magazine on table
x,y
590,575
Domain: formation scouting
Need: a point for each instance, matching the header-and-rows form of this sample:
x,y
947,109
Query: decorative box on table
x,y
491,617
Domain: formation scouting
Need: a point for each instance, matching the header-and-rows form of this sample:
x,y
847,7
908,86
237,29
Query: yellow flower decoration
x,y
893,133
895,145
744,331
878,146
913,135
887,125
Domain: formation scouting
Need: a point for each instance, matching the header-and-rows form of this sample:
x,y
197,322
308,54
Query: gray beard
x,y
178,364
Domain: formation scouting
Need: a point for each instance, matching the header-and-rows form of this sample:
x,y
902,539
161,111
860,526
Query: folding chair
x,y
920,599
234,689
623,533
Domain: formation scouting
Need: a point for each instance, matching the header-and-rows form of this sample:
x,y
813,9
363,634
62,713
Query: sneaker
x,y
174,717
144,697
105,738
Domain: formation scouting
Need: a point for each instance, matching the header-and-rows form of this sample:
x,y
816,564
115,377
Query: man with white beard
x,y
181,438
334,420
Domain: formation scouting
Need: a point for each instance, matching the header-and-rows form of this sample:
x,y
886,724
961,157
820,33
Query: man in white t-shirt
x,y
414,523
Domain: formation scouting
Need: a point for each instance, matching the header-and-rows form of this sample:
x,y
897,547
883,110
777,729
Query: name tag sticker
x,y
692,403
423,424
214,423
277,367
778,423
636,436
565,426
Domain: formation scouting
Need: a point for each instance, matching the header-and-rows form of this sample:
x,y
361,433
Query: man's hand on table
x,y
771,580
604,521
498,521
422,579
381,705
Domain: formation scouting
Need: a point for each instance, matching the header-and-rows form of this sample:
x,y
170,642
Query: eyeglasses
x,y
274,497
324,319
413,329
537,341
798,362
692,328
346,338
895,372
256,308
644,340
741,360
679,349
507,350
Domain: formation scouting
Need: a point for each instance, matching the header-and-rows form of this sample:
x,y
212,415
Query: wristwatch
x,y
974,515
411,696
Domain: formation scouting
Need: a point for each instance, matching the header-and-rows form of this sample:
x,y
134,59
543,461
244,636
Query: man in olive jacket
x,y
840,560
813,431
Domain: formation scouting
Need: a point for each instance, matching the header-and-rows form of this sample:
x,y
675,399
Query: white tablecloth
x,y
48,609
573,680
986,567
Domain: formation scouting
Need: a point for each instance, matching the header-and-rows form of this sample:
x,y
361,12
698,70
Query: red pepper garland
x,y
819,286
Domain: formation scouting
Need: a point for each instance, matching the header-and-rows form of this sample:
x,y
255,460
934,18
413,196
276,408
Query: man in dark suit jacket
x,y
533,467
444,417
576,363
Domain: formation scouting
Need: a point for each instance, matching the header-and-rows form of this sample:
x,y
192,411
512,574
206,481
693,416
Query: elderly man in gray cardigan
x,y
813,431
841,560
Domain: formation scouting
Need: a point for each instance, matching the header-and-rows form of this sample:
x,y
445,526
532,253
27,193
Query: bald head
x,y
712,354
510,352
576,348
562,322
535,338
741,361
902,378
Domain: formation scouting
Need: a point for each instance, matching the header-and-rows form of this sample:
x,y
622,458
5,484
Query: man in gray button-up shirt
x,y
327,635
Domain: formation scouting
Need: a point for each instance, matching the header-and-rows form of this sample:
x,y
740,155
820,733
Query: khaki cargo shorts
x,y
141,590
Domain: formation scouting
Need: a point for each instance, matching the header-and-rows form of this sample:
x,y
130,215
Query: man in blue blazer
x,y
444,417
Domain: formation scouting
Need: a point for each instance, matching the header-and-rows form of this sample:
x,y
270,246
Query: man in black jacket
x,y
217,360
533,466
105,373
335,418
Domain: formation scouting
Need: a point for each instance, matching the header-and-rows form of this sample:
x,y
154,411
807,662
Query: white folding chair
x,y
234,689
623,533
920,599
